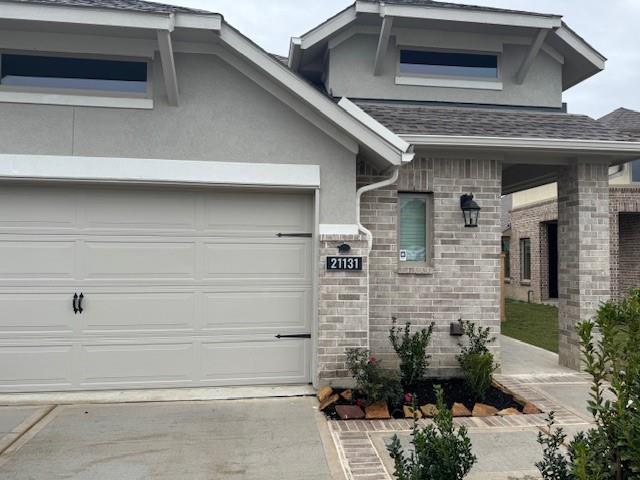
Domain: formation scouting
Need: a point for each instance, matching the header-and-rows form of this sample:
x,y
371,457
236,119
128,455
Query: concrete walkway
x,y
268,439
519,358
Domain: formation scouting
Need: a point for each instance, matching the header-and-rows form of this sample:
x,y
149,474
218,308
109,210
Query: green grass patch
x,y
533,324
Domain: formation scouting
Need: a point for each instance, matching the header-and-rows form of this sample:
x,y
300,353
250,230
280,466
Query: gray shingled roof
x,y
129,5
459,6
625,120
421,119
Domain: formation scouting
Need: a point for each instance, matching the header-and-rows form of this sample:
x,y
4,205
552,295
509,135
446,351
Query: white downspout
x,y
368,188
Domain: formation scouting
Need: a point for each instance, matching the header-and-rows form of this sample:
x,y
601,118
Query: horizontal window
x,y
448,64
414,227
35,71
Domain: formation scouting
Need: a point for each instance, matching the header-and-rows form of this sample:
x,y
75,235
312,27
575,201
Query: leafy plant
x,y
412,351
554,465
610,345
377,384
475,359
440,452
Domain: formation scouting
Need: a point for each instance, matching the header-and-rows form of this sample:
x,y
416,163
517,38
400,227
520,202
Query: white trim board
x,y
138,170
337,229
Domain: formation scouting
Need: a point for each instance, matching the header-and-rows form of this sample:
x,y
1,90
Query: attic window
x,y
49,72
449,64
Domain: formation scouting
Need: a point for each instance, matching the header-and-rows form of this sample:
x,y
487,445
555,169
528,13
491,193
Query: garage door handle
x,y
74,302
304,335
295,235
80,298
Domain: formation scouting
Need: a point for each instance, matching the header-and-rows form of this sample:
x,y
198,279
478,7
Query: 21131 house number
x,y
341,264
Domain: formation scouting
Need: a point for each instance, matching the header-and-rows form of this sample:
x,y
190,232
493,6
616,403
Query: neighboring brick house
x,y
533,223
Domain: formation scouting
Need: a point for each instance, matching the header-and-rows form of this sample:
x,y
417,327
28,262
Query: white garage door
x,y
179,288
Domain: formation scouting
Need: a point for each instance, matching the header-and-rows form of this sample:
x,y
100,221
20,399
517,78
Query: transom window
x,y
37,71
448,64
414,227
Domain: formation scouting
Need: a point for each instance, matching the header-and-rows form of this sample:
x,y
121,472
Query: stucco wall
x,y
351,74
223,116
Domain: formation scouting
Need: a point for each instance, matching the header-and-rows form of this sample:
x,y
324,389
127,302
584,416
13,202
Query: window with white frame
x,y
414,227
40,72
483,66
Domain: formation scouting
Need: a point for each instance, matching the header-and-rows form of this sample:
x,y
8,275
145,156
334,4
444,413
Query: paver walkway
x,y
505,446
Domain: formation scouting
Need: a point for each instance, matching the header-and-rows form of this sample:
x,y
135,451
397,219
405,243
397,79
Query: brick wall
x,y
528,222
463,280
629,253
342,310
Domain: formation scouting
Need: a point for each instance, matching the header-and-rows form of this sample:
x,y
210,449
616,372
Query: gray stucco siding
x,y
223,116
351,75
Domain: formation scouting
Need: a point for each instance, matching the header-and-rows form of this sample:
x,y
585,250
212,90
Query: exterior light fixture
x,y
470,210
344,248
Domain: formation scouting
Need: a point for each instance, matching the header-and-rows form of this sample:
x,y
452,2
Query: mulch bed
x,y
454,392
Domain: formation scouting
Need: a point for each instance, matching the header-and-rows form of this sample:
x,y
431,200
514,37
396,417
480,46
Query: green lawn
x,y
531,323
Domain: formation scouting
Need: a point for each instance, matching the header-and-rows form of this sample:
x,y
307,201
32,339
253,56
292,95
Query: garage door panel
x,y
277,311
23,209
255,362
36,367
51,259
136,364
139,260
245,212
276,260
118,210
154,313
42,314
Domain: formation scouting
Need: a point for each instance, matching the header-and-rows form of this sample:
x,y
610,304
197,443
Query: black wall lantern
x,y
470,210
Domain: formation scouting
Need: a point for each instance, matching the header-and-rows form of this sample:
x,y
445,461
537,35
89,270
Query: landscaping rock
x,y
509,411
483,410
347,395
409,412
349,412
328,402
459,410
377,411
531,409
324,393
429,410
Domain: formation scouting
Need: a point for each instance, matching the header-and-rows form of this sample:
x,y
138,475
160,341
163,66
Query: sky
x,y
611,26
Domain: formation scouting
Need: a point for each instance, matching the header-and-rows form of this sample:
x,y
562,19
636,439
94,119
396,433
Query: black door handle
x,y
80,298
74,302
304,335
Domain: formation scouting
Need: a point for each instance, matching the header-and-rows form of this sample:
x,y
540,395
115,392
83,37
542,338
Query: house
x,y
532,239
179,208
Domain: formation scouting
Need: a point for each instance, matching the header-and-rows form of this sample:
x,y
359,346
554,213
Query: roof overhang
x,y
107,17
550,145
580,59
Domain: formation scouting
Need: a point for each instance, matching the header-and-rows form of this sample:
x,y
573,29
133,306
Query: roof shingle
x,y
129,5
624,120
420,119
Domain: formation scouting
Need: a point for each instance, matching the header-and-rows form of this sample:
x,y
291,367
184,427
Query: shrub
x,y
475,359
377,384
440,451
611,450
412,351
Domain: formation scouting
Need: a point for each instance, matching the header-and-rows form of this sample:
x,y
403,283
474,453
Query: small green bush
x,y
412,351
440,451
377,384
611,348
476,361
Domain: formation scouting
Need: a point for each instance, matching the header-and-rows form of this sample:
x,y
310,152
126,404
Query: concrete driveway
x,y
240,439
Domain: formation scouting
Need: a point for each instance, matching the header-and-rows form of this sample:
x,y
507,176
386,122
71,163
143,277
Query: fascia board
x,y
198,22
85,16
460,15
328,28
581,47
542,144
